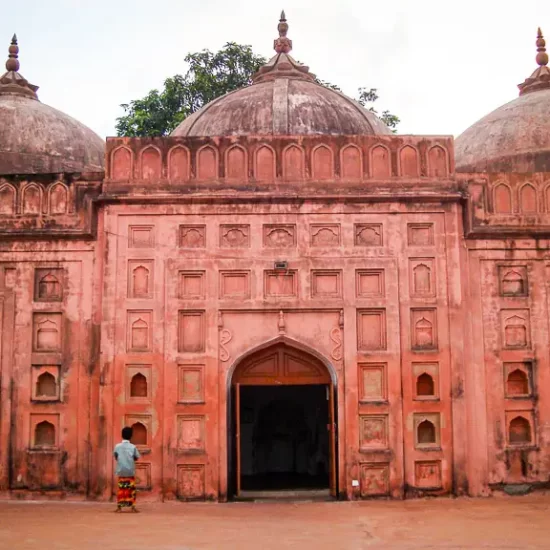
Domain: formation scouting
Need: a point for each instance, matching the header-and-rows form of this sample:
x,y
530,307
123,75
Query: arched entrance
x,y
283,422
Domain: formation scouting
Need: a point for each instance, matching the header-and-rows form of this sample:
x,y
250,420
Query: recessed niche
x,y
141,430
44,430
45,383
140,279
516,329
47,332
138,383
426,430
425,385
425,381
520,428
513,280
517,380
48,285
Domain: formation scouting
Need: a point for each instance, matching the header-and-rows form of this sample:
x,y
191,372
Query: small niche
x,y
425,433
139,434
138,385
517,383
44,434
46,385
519,432
425,386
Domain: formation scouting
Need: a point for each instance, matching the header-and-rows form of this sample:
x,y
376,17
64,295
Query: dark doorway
x,y
284,440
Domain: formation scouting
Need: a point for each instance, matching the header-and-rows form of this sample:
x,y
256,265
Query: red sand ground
x,y
498,523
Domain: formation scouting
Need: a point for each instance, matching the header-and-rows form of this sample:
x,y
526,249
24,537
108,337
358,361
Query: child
x,y
125,455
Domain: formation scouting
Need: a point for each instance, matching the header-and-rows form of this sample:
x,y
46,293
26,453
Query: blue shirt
x,y
126,454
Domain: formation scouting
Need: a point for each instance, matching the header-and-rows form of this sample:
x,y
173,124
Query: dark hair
x,y
127,433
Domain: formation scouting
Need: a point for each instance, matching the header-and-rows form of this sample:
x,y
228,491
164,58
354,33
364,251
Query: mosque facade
x,y
282,294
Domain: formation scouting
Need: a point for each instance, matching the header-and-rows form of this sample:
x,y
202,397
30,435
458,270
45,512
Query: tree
x,y
209,76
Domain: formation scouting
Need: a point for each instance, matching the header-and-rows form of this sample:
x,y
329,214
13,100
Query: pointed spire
x,y
540,79
11,82
282,65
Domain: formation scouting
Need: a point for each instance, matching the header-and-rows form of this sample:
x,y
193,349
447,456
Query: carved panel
x,y
368,234
236,164
151,164
44,470
280,283
420,234
422,277
425,381
141,236
235,284
326,284
293,163
235,236
191,433
427,474
45,382
142,426
279,236
325,234
122,163
373,431
32,200
48,284
207,163
424,329
375,479
516,330
192,236
408,162
351,163
191,481
427,430
58,199
369,283
371,329
191,384
143,476
513,280
7,200
47,332
44,431
192,285
372,382
518,379
191,332
380,162
323,163
138,383
264,166
438,164
179,164
140,278
140,325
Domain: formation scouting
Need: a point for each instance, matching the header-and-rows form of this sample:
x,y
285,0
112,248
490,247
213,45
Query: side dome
x,y
36,138
284,99
516,136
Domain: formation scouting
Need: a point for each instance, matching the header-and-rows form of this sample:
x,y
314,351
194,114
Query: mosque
x,y
280,296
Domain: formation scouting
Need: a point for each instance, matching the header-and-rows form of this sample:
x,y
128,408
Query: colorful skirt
x,y
126,494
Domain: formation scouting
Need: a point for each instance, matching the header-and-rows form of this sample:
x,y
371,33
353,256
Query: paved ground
x,y
498,523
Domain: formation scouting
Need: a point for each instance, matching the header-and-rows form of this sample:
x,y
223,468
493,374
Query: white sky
x,y
438,65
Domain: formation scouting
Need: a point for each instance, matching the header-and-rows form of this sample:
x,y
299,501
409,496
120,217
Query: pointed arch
x,y
502,199
150,162
293,163
380,162
31,199
236,163
264,163
438,162
409,164
322,163
528,202
179,163
8,198
207,163
122,163
58,198
351,162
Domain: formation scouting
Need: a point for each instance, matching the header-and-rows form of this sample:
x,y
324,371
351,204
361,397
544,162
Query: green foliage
x,y
210,75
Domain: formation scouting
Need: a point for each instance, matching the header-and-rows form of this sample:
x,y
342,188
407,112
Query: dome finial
x,y
540,79
542,56
12,64
282,44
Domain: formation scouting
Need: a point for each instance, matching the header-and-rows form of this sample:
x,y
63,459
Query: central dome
x,y
284,99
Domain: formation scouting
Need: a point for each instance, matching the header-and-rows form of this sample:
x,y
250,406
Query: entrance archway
x,y
282,421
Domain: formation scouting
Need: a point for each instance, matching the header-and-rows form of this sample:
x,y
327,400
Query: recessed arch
x,y
8,197
207,163
502,199
236,163
293,163
528,199
380,162
122,163
31,199
58,198
322,163
179,165
150,163
519,431
409,162
351,162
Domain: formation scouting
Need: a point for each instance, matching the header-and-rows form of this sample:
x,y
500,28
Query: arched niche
x,y
207,163
58,199
139,386
519,431
438,163
380,162
528,199
502,199
264,164
179,165
351,162
31,200
8,197
122,163
139,434
409,164
425,385
236,163
293,163
151,164
426,433
322,162
44,434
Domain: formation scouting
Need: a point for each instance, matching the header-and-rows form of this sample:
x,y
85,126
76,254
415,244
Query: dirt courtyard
x,y
499,523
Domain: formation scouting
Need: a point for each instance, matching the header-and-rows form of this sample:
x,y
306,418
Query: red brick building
x,y
281,294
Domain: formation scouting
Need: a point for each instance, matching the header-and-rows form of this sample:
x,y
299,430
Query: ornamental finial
x,y
282,44
12,64
542,56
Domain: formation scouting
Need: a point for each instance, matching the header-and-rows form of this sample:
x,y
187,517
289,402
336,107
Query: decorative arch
x,y
150,163
351,162
293,163
264,163
409,162
46,385
502,199
438,162
44,434
179,163
519,431
528,202
122,163
547,196
31,199
236,163
322,162
380,162
58,198
8,197
207,163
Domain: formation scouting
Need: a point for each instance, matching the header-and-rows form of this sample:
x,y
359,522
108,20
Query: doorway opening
x,y
282,436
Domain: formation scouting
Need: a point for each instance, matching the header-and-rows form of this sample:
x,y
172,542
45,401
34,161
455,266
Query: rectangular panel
x,y
192,236
234,236
280,283
368,234
279,236
420,234
371,329
191,433
422,277
191,384
370,283
47,332
143,476
235,284
325,234
49,284
191,331
326,284
516,328
427,474
192,285
373,431
513,280
141,236
140,279
191,481
375,479
139,326
372,382
423,329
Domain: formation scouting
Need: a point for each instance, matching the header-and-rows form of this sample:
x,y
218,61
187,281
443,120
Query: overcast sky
x,y
439,65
